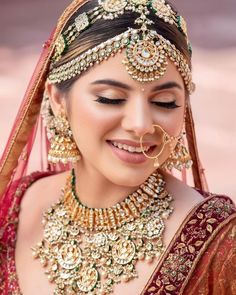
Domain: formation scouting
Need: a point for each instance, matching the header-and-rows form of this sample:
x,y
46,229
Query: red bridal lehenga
x,y
201,258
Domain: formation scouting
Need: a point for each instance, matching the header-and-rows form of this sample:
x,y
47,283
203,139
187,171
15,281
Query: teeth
x,y
128,148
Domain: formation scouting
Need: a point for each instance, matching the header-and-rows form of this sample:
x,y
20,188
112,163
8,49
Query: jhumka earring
x,y
179,157
63,148
166,138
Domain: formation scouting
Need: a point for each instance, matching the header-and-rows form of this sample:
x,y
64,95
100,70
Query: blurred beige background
x,y
26,24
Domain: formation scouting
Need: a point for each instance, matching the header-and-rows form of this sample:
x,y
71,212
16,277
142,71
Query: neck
x,y
96,191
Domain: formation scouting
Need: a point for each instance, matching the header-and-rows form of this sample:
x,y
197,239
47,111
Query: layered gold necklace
x,y
87,250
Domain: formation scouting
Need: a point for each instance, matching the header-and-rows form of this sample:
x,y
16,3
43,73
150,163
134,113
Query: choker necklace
x,y
88,250
93,219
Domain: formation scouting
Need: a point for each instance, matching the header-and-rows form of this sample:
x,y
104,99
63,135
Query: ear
x,y
56,98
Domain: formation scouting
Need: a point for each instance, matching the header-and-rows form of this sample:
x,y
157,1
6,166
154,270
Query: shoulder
x,y
12,199
189,195
24,201
185,197
44,191
38,197
189,202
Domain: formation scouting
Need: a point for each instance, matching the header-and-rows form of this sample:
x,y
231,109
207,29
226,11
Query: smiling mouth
x,y
131,149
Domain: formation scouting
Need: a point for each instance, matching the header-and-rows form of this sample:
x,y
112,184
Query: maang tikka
x,y
147,52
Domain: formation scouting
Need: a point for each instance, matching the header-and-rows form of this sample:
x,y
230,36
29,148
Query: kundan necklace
x,y
88,250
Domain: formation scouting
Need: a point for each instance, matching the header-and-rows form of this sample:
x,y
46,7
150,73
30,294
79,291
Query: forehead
x,y
114,69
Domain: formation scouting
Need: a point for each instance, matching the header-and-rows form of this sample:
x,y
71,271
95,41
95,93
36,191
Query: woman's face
x,y
106,109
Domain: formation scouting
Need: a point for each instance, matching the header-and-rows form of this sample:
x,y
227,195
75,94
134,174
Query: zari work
x,y
90,250
213,224
147,52
177,265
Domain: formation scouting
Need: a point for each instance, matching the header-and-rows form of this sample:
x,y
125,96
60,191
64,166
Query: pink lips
x,y
132,158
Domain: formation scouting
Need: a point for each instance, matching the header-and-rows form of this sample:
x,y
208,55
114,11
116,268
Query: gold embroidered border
x,y
206,245
228,228
201,252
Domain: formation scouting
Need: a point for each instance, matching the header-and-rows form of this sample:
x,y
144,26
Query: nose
x,y
138,117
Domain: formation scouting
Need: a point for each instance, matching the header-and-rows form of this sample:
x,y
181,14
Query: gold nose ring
x,y
166,138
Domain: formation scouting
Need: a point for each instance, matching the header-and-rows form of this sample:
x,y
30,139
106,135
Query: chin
x,y
129,176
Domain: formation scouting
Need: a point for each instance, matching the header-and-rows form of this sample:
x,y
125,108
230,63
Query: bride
x,y
108,214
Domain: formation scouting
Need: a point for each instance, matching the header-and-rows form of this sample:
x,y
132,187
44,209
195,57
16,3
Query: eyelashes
x,y
167,105
105,100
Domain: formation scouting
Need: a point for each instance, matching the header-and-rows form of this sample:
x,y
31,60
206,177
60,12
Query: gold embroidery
x,y
233,232
196,234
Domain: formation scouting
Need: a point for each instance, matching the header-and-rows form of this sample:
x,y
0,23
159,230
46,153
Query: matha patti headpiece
x,y
147,52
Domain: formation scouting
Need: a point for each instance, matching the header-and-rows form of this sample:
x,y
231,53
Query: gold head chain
x,y
147,52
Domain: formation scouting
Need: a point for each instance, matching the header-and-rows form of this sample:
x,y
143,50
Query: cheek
x,y
171,121
89,121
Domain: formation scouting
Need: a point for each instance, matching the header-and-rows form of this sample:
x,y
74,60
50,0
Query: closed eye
x,y
105,100
167,105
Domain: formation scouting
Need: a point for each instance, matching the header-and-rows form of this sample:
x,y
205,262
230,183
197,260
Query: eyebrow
x,y
114,83
167,85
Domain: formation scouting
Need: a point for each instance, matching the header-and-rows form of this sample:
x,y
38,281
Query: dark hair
x,y
103,30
